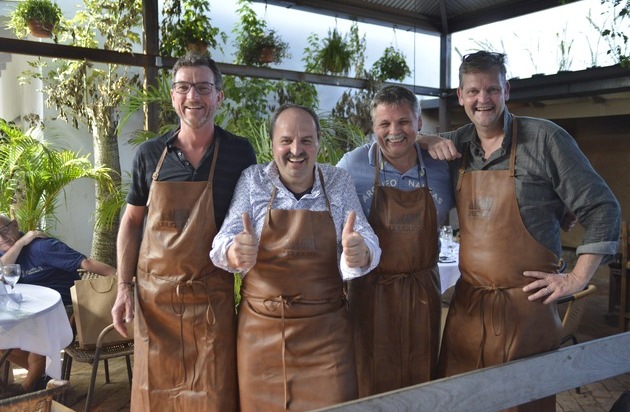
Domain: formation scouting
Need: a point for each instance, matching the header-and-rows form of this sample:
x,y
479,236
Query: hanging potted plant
x,y
257,45
187,27
391,65
336,53
262,49
39,17
336,56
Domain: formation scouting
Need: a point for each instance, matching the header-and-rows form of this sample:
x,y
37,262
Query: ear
x,y
220,97
459,96
506,93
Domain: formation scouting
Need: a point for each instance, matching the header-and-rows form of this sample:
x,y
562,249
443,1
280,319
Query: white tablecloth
x,y
40,325
449,266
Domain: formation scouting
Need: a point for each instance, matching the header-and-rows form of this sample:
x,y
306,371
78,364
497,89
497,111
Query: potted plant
x,y
39,17
336,53
257,45
264,48
391,65
186,26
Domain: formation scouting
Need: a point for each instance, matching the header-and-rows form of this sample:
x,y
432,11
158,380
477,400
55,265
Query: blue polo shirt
x,y
51,263
360,164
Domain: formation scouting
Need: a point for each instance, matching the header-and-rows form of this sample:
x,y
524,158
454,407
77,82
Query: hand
x,y
552,286
355,250
440,148
243,252
122,311
30,236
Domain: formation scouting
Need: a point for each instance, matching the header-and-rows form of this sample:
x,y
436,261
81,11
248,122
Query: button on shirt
x,y
552,175
252,195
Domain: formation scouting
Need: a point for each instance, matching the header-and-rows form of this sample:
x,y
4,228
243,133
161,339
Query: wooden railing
x,y
513,383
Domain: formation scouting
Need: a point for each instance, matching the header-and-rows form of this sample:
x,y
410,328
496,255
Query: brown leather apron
x,y
396,308
185,343
490,321
294,335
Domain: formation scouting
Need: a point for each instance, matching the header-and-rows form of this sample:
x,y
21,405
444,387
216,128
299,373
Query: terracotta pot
x,y
40,29
267,55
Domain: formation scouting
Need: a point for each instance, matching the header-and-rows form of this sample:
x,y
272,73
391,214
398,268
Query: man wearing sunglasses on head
x,y
515,178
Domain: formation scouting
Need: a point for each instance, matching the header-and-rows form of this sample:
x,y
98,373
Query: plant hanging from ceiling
x,y
392,65
336,53
257,44
42,18
186,26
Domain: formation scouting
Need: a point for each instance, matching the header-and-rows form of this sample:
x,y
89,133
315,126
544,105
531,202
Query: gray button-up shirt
x,y
552,175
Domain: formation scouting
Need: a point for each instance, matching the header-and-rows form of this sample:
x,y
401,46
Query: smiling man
x,y
396,308
515,177
182,182
295,231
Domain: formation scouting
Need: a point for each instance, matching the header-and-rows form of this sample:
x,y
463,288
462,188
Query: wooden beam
x,y
507,385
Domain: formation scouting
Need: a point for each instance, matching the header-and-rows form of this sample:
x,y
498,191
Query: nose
x,y
296,148
192,92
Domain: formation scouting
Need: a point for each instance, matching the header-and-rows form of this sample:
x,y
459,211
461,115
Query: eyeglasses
x,y
201,88
497,58
4,231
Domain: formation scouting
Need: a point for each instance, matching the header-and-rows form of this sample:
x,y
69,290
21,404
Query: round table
x,y
39,325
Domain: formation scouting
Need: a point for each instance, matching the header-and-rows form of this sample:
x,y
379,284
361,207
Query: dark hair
x,y
287,106
193,59
482,61
395,96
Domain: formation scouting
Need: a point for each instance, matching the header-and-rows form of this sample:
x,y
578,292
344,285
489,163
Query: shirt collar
x,y
387,166
274,175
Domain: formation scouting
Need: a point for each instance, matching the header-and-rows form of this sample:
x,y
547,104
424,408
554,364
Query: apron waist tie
x,y
282,301
499,310
393,279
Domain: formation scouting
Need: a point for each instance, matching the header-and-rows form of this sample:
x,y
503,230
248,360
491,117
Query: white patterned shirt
x,y
252,195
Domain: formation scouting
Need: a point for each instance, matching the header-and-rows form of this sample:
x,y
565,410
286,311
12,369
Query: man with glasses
x,y
515,177
182,182
45,262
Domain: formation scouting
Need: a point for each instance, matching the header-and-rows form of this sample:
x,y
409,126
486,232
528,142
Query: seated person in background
x,y
45,262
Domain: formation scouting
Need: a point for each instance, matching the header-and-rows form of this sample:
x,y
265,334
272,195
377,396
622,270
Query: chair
x,y
102,350
573,315
624,309
39,401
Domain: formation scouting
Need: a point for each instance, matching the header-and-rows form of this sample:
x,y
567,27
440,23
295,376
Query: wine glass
x,y
446,235
11,274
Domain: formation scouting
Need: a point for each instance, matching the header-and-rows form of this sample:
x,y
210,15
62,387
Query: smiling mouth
x,y
483,109
394,139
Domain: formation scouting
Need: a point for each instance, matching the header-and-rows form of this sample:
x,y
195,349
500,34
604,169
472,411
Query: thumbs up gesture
x,y
355,250
242,253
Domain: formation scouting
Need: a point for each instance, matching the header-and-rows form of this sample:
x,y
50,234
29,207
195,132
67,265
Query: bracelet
x,y
126,283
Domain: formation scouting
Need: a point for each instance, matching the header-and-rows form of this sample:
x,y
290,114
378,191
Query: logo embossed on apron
x,y
405,222
481,207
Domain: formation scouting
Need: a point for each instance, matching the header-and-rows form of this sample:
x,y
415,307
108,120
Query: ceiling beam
x,y
365,12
